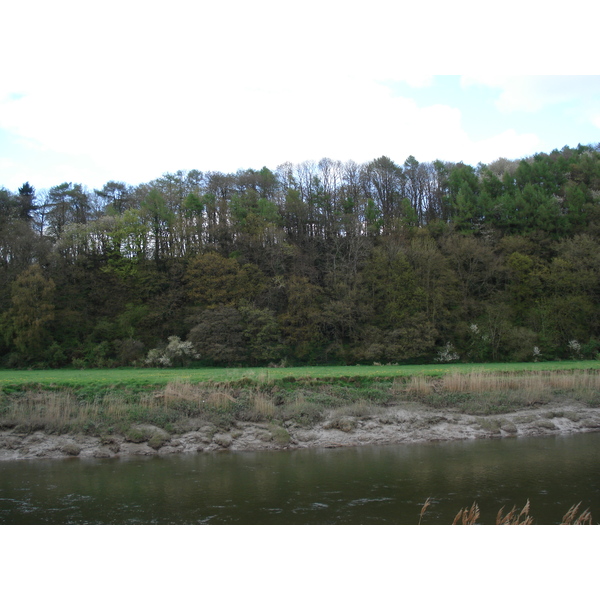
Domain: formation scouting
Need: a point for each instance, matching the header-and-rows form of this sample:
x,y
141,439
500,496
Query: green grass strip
x,y
153,377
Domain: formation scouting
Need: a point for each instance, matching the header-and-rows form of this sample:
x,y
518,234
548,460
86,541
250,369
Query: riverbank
x,y
406,424
179,417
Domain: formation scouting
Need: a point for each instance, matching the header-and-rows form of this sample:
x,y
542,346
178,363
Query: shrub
x,y
137,435
509,427
71,449
574,349
223,439
158,440
55,356
447,354
342,423
129,351
360,409
301,412
176,353
280,435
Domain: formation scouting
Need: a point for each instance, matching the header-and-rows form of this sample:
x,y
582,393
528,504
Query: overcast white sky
x,y
126,90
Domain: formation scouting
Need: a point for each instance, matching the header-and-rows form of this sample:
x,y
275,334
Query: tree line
x,y
318,262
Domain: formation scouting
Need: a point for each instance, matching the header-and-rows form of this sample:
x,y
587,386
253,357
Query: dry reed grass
x,y
213,395
398,385
263,406
514,518
178,390
62,410
470,516
426,505
53,410
533,383
467,516
221,400
114,407
571,518
419,385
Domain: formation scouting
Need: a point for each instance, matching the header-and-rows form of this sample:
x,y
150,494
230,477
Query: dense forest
x,y
324,262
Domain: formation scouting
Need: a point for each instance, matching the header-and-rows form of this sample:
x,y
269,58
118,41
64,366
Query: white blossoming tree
x,y
176,354
447,354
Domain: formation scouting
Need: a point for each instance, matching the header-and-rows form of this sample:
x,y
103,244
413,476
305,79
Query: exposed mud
x,y
406,424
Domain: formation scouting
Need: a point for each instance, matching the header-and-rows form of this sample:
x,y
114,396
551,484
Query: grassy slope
x,y
103,402
138,377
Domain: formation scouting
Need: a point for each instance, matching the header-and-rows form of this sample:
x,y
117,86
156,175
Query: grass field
x,y
153,377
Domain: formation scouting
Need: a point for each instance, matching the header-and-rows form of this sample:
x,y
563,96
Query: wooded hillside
x,y
324,262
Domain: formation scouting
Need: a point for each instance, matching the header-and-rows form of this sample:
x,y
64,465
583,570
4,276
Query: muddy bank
x,y
404,424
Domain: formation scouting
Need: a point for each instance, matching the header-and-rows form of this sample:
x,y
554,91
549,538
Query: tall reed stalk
x,y
470,516
479,382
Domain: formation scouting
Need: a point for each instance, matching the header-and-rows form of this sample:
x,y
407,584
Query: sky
x,y
126,91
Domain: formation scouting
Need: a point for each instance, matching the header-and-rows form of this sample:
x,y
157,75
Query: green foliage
x,y
26,322
219,336
319,263
213,280
390,287
300,322
262,334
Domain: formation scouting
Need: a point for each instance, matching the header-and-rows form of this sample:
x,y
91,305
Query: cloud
x,y
140,90
533,93
222,124
508,144
417,80
126,90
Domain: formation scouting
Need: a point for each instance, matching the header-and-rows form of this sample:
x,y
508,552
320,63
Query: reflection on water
x,y
369,485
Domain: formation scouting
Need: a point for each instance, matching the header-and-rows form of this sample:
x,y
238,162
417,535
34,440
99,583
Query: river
x,y
358,485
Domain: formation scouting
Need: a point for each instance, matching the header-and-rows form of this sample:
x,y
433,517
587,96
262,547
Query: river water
x,y
361,485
